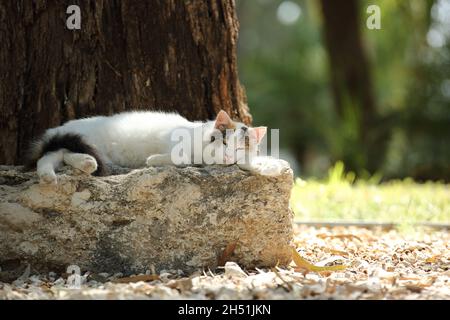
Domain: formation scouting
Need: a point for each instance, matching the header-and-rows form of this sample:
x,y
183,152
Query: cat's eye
x,y
213,138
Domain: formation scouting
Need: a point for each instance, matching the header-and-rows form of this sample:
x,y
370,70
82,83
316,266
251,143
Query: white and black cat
x,y
138,139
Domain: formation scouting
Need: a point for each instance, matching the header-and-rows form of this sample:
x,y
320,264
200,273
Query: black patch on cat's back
x,y
70,141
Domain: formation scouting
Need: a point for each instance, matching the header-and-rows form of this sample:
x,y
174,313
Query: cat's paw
x,y
48,178
83,162
88,164
270,167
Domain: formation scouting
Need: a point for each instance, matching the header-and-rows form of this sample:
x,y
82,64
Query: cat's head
x,y
231,138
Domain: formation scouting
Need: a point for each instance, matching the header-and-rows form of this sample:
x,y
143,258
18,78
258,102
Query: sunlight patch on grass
x,y
340,198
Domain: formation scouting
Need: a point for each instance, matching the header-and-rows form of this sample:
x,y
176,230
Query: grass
x,y
341,197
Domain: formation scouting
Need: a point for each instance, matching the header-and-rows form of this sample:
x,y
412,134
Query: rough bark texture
x,y
169,218
159,54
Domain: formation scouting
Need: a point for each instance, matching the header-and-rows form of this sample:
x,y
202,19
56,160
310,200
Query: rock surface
x,y
147,219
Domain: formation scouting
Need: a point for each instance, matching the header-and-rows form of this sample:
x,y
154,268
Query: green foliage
x,y
285,71
410,81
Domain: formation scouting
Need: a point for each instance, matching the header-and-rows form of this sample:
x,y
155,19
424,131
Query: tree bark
x,y
351,79
129,55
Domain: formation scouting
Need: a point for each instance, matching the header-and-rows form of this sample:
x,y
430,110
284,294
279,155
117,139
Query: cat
x,y
145,138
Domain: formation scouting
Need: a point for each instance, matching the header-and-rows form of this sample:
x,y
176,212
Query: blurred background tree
x,y
377,99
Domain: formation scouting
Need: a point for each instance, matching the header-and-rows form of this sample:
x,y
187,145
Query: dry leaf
x,y
289,286
232,269
226,254
339,236
433,259
145,278
335,251
184,284
414,288
302,263
403,278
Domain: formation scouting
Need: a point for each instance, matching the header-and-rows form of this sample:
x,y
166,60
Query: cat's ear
x,y
223,121
259,132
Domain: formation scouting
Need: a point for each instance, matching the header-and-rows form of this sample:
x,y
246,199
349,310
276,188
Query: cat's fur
x,y
133,140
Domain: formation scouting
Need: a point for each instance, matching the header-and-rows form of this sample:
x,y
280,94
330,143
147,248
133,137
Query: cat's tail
x,y
72,142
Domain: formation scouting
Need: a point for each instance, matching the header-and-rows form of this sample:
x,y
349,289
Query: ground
x,y
401,262
379,265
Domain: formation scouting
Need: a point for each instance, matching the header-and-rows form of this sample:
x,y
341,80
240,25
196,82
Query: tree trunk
x,y
351,81
128,55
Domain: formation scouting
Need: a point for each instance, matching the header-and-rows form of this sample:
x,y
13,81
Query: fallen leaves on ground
x,y
379,265
339,236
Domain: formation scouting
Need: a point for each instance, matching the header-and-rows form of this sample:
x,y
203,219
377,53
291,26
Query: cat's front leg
x,y
156,160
